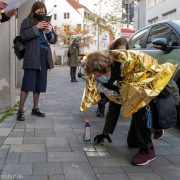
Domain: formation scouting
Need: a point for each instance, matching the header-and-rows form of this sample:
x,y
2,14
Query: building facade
x,y
151,11
70,13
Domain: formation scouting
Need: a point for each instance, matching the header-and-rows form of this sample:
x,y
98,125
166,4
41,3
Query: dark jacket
x,y
115,75
73,53
30,34
4,18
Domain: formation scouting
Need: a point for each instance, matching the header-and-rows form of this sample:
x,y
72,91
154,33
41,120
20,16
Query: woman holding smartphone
x,y
37,35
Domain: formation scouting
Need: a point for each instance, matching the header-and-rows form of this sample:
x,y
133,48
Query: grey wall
x,y
7,65
10,68
140,15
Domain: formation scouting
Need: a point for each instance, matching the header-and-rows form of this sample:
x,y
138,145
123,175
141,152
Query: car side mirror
x,y
160,43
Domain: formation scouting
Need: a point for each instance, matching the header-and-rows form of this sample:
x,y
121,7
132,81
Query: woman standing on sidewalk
x,y
37,35
73,58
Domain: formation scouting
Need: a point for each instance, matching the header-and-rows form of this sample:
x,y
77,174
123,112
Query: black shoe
x,y
100,138
38,113
99,114
20,116
72,80
75,80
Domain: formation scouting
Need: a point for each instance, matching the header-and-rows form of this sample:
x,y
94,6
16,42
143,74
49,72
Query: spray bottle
x,y
87,131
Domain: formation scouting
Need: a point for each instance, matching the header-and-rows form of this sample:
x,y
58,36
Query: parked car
x,y
162,41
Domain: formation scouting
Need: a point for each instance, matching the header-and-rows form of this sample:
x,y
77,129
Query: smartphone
x,y
47,19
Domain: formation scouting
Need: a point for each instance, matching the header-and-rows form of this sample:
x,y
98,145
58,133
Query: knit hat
x,y
76,39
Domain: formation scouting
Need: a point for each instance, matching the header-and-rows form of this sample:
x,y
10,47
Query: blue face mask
x,y
104,79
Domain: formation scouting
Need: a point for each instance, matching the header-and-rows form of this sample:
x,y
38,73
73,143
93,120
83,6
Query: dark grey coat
x,y
30,34
73,53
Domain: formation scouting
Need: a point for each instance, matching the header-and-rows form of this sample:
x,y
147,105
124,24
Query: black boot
x,y
99,113
38,113
71,74
74,74
100,138
20,116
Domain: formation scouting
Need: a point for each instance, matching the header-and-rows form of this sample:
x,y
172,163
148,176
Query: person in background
x,y
73,58
5,16
120,43
37,35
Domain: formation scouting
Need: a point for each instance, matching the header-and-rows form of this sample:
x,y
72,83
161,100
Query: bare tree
x,y
66,34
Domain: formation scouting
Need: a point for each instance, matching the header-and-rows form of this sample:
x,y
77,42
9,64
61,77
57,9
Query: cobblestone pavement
x,y
53,148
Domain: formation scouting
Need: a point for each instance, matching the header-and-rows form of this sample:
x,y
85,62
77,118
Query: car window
x,y
160,31
173,39
137,40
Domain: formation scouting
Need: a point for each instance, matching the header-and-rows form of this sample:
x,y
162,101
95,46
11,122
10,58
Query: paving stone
x,y
78,171
7,125
5,131
17,169
33,157
60,126
65,157
64,133
29,133
13,158
13,140
57,177
3,153
109,161
20,125
160,161
34,140
167,172
44,133
1,163
28,148
16,134
33,178
174,159
162,151
47,169
40,124
144,176
173,150
108,170
56,142
18,130
112,176
137,169
59,149
2,140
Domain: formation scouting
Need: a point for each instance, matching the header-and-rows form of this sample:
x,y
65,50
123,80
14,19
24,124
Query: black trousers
x,y
102,103
139,135
73,73
111,117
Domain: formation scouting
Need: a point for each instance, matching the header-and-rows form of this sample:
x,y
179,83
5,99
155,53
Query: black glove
x,y
100,138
